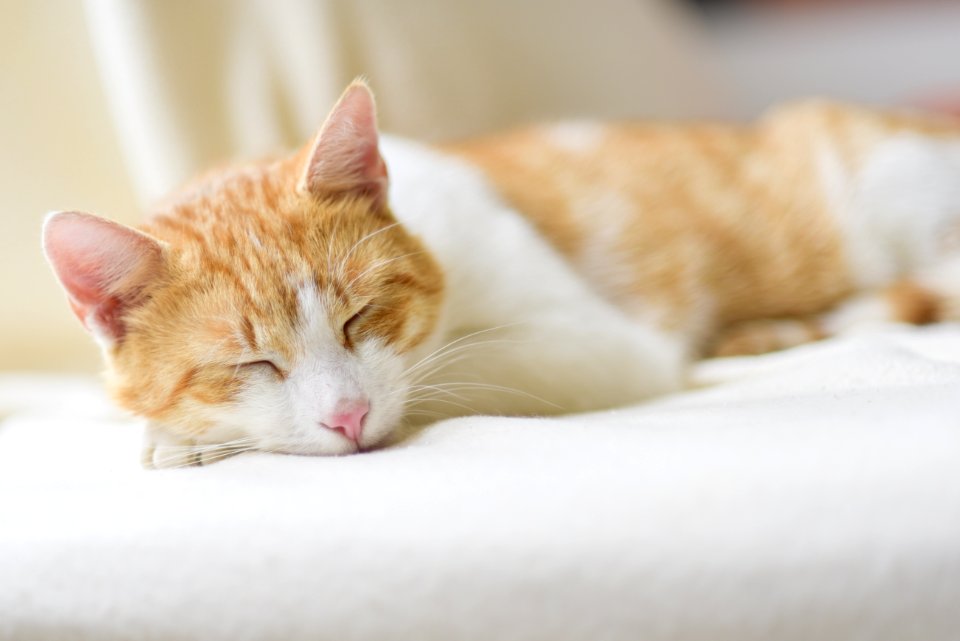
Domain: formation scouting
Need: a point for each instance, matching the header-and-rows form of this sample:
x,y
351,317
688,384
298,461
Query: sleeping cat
x,y
311,305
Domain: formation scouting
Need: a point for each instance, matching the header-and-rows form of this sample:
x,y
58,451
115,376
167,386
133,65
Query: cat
x,y
312,305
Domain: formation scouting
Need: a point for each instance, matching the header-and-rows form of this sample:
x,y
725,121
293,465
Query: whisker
x,y
439,389
421,393
424,412
444,360
342,261
205,460
468,408
199,455
241,442
440,350
508,390
379,264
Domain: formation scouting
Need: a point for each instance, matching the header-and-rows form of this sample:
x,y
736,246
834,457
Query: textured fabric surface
x,y
813,494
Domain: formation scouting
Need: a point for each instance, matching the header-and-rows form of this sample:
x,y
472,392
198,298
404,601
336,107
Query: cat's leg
x,y
161,449
942,282
899,215
760,336
906,301
916,301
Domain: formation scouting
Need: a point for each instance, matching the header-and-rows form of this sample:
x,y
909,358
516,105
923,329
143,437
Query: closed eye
x,y
265,364
350,326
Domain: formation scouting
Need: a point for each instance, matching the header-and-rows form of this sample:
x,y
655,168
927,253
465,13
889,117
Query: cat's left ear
x,y
345,157
104,268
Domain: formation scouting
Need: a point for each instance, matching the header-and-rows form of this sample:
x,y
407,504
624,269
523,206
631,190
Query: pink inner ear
x,y
345,156
102,265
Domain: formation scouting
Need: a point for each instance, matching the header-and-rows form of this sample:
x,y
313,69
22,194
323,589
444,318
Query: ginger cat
x,y
309,305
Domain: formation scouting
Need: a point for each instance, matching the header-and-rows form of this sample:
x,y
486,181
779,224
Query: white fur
x,y
549,340
600,258
899,215
327,372
862,312
896,210
287,415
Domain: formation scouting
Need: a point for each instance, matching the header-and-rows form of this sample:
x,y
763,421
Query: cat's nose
x,y
347,418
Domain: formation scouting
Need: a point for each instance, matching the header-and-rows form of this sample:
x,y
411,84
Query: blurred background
x,y
109,104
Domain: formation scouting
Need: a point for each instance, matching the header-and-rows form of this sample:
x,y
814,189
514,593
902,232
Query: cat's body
x,y
281,306
697,228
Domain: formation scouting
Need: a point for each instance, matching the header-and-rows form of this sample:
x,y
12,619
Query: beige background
x,y
57,151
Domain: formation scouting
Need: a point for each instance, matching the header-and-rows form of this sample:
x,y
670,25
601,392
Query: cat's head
x,y
276,304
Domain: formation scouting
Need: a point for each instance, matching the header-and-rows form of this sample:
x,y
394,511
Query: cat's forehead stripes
x,y
249,333
254,250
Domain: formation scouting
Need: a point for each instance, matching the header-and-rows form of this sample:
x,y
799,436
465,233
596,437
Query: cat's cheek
x,y
383,378
225,421
263,410
253,407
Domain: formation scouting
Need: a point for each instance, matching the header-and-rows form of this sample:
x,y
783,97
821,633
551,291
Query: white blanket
x,y
813,494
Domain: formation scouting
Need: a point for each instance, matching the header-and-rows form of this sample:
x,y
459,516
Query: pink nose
x,y
347,418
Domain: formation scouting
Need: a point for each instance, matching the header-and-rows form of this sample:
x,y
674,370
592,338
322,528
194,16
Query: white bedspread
x,y
813,494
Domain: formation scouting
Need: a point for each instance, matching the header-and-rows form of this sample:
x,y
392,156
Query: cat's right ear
x,y
345,156
103,266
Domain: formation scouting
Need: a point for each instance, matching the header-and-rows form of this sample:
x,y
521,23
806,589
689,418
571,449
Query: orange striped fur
x,y
725,218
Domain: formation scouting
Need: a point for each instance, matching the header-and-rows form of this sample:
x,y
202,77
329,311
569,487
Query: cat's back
x,y
660,215
683,218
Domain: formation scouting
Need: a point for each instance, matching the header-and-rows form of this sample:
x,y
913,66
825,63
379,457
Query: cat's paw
x,y
750,338
162,450
154,457
948,308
